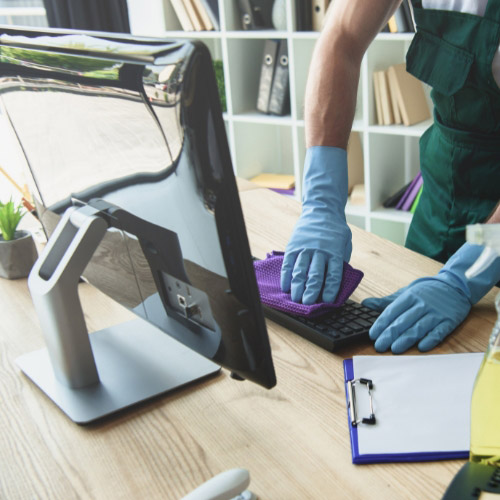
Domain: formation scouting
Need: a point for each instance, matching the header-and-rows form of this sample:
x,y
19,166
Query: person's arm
x,y
321,240
494,217
332,84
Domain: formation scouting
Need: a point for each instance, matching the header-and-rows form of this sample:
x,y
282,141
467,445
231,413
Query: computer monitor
x,y
133,183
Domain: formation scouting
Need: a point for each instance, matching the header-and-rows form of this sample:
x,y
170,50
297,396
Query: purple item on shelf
x,y
412,194
268,273
403,198
289,192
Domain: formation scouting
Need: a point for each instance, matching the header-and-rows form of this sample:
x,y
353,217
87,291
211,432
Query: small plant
x,y
10,216
219,76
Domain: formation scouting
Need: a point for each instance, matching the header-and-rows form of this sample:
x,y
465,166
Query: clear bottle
x,y
485,405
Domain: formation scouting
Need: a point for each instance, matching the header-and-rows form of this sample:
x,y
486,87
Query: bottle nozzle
x,y
489,236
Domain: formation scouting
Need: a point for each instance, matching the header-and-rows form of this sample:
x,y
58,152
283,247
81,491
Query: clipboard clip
x,y
352,402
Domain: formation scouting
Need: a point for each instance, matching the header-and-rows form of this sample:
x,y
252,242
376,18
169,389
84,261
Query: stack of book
x,y
407,198
274,95
399,97
281,183
197,15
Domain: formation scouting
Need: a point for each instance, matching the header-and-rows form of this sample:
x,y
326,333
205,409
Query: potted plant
x,y
17,249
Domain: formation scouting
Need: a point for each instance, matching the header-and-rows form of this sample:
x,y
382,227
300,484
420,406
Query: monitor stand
x,y
92,376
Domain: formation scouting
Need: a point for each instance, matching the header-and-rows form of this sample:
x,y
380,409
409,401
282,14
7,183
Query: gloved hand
x,y
321,239
430,308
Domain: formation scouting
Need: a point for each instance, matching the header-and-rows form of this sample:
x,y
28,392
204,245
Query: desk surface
x,y
293,439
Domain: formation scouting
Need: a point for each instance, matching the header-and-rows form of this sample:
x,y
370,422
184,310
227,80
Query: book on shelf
x,y
281,182
408,196
378,100
402,20
393,200
205,19
182,15
417,199
410,95
405,198
399,97
394,101
355,163
193,14
212,9
412,193
357,196
385,98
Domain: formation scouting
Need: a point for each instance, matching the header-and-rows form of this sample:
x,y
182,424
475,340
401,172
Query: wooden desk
x,y
293,439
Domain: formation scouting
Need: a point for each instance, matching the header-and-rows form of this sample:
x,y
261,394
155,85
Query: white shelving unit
x,y
265,143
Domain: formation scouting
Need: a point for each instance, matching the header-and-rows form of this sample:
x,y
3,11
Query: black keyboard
x,y
347,324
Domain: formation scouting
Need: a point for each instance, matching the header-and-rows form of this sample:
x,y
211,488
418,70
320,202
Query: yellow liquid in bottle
x,y
485,411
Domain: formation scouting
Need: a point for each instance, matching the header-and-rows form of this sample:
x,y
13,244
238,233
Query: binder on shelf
x,y
303,15
410,95
318,13
256,14
266,74
408,16
409,408
279,101
212,9
182,15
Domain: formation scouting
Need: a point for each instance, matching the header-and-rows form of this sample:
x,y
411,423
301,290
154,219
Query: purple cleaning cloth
x,y
268,273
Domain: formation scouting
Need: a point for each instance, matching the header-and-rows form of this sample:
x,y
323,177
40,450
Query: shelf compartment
x,y
244,68
262,148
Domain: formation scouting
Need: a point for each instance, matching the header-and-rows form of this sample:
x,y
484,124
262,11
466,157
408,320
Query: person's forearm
x,y
330,100
494,217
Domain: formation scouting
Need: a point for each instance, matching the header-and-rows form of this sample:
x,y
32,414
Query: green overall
x,y
460,152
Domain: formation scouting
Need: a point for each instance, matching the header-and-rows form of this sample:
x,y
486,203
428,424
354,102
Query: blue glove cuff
x,y
453,272
325,177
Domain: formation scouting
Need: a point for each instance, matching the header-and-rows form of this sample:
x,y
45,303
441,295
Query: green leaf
x,y
10,216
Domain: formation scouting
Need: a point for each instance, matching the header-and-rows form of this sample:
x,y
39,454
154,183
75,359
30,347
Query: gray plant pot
x,y
17,256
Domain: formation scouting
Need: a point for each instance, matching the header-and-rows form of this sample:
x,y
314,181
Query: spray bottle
x,y
485,405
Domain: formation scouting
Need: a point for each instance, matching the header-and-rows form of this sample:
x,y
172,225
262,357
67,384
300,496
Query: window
x,y
23,12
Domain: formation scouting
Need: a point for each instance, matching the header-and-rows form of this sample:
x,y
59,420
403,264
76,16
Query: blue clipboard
x,y
358,458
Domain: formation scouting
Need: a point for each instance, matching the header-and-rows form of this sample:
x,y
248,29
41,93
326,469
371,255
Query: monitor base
x,y
135,362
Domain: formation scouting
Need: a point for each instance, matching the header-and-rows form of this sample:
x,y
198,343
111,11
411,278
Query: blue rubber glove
x,y
321,239
430,308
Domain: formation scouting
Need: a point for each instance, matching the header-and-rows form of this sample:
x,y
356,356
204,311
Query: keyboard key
x,y
363,323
